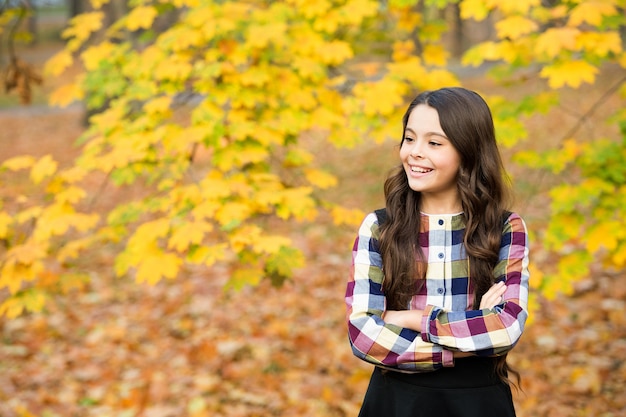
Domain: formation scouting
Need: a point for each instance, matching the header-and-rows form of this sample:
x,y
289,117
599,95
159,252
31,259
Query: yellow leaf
x,y
208,255
93,55
335,52
513,27
156,264
508,7
600,44
71,195
19,162
619,256
5,221
188,234
28,214
159,105
81,27
244,236
320,179
58,63
148,233
603,235
297,202
435,55
174,68
270,244
66,94
259,36
572,73
72,249
12,307
232,213
22,263
380,98
485,51
474,9
343,215
554,40
403,50
245,275
43,168
591,12
141,17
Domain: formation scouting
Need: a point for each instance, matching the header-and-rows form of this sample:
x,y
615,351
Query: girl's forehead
x,y
424,118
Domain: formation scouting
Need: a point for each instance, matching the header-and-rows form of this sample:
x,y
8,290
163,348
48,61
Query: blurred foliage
x,y
203,109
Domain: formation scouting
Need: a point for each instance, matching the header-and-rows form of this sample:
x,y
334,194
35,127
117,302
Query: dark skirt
x,y
469,389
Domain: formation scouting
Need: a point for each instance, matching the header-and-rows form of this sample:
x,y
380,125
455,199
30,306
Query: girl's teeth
x,y
421,170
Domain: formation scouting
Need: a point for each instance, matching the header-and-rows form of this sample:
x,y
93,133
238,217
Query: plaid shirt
x,y
449,323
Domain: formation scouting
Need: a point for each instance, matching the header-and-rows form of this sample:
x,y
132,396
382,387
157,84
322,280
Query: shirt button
x,y
440,222
441,255
440,290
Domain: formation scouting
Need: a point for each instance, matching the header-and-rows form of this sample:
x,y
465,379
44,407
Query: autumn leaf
x,y
604,235
591,12
320,179
515,26
81,27
554,40
572,73
156,264
60,62
141,17
43,168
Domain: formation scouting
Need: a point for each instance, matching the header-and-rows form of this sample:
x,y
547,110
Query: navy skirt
x,y
469,389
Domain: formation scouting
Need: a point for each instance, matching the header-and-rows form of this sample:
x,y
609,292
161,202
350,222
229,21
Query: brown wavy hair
x,y
484,191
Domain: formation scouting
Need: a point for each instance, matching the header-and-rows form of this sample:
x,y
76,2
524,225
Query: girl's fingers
x,y
493,296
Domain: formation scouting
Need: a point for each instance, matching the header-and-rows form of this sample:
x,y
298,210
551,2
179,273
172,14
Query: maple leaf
x,y
59,62
66,94
187,234
554,40
156,264
572,73
435,55
474,9
600,44
320,179
243,276
81,27
591,12
43,168
141,17
515,26
92,56
606,234
19,162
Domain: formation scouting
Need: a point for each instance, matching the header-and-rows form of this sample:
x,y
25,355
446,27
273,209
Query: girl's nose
x,y
416,151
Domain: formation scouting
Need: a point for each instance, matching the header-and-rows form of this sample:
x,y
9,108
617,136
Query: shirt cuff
x,y
447,358
425,333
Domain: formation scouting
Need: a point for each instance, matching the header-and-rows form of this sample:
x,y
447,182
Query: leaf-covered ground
x,y
186,348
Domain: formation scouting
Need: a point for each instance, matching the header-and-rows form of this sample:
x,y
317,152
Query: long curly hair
x,y
483,189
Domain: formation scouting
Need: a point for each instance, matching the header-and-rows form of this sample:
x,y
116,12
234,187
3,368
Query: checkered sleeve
x,y
372,339
489,332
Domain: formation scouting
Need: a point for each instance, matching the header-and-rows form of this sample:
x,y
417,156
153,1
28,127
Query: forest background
x,y
181,182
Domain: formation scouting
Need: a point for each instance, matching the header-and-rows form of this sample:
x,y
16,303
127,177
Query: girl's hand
x,y
493,296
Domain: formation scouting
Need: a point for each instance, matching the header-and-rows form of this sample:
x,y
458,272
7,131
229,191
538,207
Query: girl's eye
x,y
434,143
408,139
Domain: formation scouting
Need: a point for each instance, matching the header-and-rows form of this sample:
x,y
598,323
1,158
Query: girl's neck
x,y
440,206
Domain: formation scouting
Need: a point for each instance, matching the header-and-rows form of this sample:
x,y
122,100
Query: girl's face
x,y
430,161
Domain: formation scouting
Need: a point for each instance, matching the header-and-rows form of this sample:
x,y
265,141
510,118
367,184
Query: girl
x,y
439,286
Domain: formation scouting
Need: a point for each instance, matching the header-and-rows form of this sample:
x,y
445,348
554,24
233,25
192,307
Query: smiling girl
x,y
439,287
